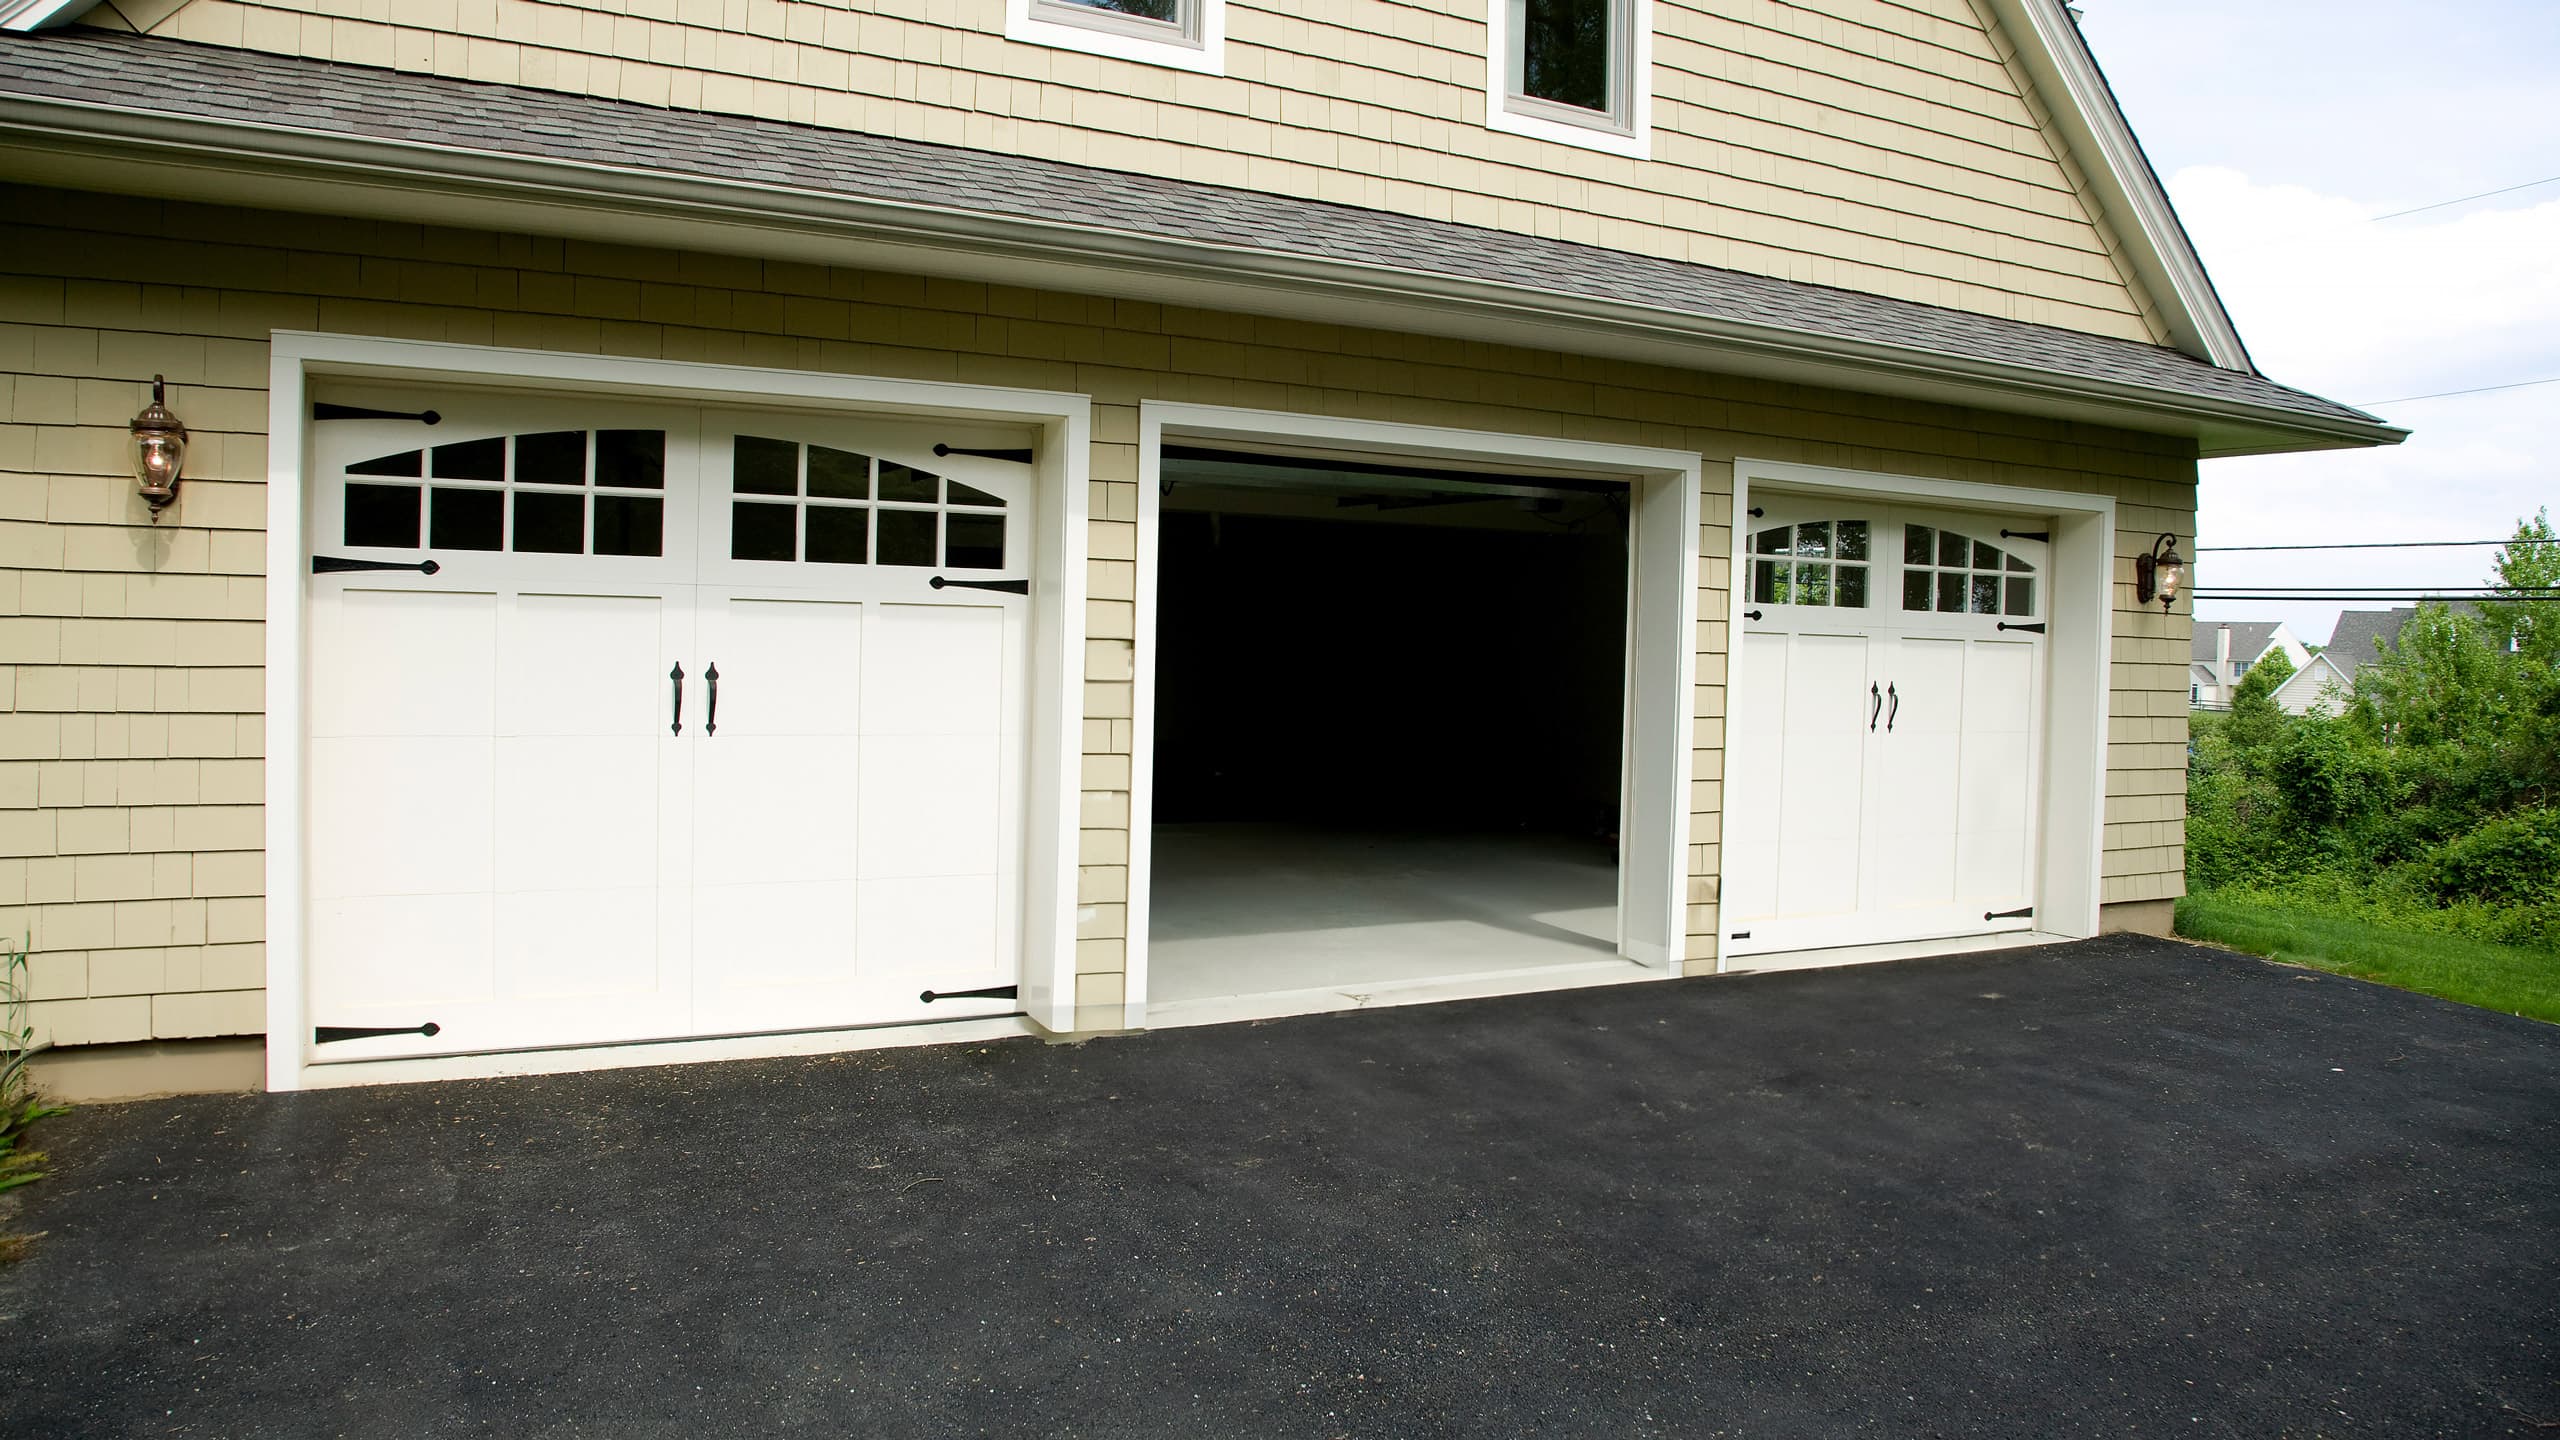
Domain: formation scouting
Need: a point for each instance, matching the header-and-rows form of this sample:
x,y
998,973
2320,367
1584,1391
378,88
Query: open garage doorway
x,y
1390,725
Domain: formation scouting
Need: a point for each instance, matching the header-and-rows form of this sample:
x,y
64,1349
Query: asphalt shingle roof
x,y
142,74
2248,637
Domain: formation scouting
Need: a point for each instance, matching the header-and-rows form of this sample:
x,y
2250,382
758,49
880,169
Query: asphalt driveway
x,y
2120,1188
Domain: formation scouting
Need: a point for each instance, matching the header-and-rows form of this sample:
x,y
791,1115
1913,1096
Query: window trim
x,y
1627,130
1200,44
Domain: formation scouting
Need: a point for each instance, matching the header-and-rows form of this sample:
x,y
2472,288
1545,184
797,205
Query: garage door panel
x,y
787,667
789,934
930,805
772,809
938,931
402,662
390,955
576,813
402,816
584,665
589,943
934,670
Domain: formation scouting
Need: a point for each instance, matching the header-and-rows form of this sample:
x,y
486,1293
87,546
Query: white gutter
x,y
80,144
24,15
2059,63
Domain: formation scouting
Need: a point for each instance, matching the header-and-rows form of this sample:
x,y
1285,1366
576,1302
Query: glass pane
x,y
970,495
633,460
1915,590
1764,582
466,519
839,534
1850,590
764,467
1917,546
555,457
1770,542
761,532
2021,566
1985,557
1986,594
1853,539
838,475
1564,51
629,524
906,536
383,515
551,524
472,460
1953,549
902,482
973,542
1814,539
2022,596
405,463
1813,584
1950,594
1165,10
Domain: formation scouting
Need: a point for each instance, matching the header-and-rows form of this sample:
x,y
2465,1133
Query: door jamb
x,y
1051,789
2071,860
1663,561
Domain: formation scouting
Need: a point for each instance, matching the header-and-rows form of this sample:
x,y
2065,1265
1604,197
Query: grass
x,y
2508,978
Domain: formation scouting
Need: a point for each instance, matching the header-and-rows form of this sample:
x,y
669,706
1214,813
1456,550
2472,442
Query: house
x,y
729,529
2361,638
2224,652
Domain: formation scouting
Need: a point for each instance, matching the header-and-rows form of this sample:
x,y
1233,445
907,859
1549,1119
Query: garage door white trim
x,y
2081,612
1663,560
1063,422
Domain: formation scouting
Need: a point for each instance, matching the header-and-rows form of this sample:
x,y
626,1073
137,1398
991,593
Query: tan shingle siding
x,y
130,777
1862,144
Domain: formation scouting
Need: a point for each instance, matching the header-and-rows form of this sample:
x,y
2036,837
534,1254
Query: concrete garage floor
x,y
2120,1188
1251,909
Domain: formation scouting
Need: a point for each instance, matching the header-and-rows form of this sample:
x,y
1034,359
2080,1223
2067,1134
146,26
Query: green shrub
x,y
2511,860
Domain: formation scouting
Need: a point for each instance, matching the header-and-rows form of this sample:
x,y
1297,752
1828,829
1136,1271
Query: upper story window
x,y
1573,71
1185,34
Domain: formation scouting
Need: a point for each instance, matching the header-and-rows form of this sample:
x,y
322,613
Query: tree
x,y
2256,719
2528,586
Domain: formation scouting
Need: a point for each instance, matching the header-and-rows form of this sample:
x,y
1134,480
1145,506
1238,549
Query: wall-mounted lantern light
x,y
2159,574
159,450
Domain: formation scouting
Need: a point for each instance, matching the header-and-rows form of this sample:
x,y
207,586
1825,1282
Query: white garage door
x,y
636,721
1887,706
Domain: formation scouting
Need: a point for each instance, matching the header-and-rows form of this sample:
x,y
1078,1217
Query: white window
x,y
1185,34
1574,71
2239,668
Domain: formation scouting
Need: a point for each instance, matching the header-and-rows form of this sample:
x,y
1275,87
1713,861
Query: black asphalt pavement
x,y
2126,1187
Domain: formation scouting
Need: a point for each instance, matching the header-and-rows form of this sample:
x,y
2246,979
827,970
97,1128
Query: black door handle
x,y
676,721
1875,704
711,715
1896,701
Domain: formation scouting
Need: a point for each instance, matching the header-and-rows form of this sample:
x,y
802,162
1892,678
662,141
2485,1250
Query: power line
x,y
2449,394
2467,199
2371,545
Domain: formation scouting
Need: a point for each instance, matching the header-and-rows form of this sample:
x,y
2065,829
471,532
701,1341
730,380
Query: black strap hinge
x,y
1750,614
333,564
324,411
332,1034
992,992
1018,457
2025,913
1739,935
2036,628
1010,587
2041,537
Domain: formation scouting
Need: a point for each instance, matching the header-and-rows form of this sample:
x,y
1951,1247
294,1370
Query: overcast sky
x,y
2284,129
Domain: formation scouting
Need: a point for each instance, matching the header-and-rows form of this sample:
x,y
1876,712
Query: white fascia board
x,y
83,146
24,15
2058,60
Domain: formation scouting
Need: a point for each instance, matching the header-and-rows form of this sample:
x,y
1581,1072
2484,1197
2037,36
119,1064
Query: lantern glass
x,y
159,457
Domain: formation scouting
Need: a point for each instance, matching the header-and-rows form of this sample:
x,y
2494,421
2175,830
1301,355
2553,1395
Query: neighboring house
x,y
2361,638
719,530
2223,652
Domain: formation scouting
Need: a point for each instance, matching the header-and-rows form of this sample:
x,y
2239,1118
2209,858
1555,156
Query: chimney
x,y
2222,659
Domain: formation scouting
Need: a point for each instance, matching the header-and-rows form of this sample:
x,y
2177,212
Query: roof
x,y
2249,638
223,106
2353,644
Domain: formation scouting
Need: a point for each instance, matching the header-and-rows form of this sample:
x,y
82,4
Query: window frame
x,y
1198,43
1625,129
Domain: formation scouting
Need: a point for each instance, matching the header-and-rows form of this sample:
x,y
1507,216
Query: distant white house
x,y
2226,650
2361,638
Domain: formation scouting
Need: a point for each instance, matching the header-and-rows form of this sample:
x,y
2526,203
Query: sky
x,y
2286,131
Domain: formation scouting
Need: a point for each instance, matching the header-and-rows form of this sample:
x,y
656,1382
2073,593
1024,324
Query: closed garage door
x,y
701,723
1888,716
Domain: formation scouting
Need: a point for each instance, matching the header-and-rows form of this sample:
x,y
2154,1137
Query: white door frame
x,y
2080,606
1064,421
1663,576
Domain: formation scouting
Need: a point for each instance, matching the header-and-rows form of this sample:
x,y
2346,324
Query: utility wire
x,y
2371,545
2467,199
2449,394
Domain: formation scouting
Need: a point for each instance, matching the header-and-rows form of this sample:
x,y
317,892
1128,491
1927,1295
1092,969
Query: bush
x,y
2511,860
